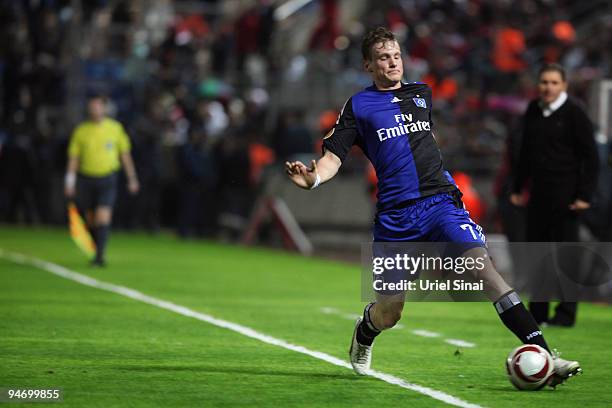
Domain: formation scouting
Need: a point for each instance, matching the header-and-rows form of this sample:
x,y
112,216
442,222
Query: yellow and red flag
x,y
79,233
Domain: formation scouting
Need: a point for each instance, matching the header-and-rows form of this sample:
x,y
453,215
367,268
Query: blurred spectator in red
x,y
471,198
327,120
508,49
260,156
443,86
254,29
190,26
564,31
247,29
327,30
562,35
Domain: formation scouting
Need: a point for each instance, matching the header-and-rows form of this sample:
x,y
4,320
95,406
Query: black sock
x,y
101,238
367,332
93,231
516,318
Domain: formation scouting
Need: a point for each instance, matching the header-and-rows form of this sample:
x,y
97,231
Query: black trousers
x,y
549,219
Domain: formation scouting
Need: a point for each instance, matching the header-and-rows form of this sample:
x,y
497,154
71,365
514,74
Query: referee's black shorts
x,y
95,192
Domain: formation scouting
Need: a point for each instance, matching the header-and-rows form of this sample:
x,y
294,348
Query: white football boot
x,y
361,356
564,369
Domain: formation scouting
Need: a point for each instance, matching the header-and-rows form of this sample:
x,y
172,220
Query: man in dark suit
x,y
559,156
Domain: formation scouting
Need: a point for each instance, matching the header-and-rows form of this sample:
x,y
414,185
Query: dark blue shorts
x,y
95,192
440,218
437,218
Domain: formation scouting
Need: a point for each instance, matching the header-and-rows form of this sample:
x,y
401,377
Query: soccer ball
x,y
529,367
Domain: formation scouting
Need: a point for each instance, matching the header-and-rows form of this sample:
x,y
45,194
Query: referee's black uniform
x,y
559,156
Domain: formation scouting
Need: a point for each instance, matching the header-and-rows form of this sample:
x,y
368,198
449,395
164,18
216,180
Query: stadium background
x,y
215,95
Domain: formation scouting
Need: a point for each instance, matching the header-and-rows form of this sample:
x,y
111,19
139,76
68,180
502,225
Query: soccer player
x,y
96,148
417,198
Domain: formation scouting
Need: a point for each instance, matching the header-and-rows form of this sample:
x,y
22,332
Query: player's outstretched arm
x,y
318,173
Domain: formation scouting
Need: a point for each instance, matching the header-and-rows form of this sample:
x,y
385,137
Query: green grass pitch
x,y
107,350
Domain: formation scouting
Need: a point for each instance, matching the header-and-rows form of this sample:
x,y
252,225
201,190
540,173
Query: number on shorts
x,y
469,227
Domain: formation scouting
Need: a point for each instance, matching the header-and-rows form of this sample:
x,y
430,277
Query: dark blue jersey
x,y
394,129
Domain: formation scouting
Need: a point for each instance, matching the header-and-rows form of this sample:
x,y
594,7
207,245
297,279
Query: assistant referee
x,y
97,148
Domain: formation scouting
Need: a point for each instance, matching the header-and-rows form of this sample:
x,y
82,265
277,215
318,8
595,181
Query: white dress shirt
x,y
548,110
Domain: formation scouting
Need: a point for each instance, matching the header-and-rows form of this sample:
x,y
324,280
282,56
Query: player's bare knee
x,y
103,215
391,317
494,283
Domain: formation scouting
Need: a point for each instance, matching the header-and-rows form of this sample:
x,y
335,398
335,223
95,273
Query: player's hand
x,y
518,200
133,186
579,205
69,191
301,175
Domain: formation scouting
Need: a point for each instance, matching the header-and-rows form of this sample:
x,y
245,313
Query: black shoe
x,y
554,322
98,263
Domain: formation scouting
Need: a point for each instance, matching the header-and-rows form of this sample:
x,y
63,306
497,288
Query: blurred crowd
x,y
201,88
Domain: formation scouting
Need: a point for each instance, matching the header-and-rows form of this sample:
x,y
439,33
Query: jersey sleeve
x,y
342,137
74,146
123,141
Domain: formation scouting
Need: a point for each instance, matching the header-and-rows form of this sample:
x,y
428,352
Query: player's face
x,y
386,67
97,109
550,86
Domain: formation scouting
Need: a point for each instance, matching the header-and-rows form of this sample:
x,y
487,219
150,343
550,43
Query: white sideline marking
x,y
425,333
460,343
245,331
351,316
334,311
418,332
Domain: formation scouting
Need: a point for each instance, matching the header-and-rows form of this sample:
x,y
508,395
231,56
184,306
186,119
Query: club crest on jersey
x,y
420,102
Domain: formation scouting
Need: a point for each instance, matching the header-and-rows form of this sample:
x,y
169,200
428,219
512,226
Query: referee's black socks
x,y
516,317
367,332
101,234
